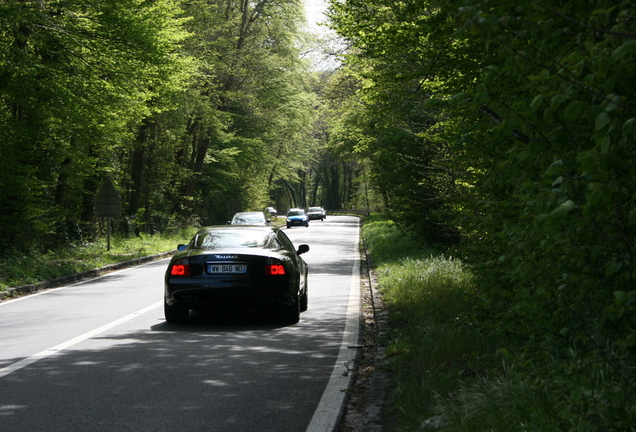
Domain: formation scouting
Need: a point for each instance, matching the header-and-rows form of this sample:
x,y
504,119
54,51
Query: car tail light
x,y
180,268
274,267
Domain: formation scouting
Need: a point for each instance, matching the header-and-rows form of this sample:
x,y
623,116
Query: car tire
x,y
287,226
304,301
304,298
291,313
175,314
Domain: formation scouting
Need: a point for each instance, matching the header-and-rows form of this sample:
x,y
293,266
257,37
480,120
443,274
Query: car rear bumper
x,y
198,298
297,222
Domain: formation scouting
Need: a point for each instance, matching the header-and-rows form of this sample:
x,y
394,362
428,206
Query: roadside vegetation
x,y
458,365
23,269
192,109
20,268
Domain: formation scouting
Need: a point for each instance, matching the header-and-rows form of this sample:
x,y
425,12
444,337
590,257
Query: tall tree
x,y
529,101
75,74
388,124
254,112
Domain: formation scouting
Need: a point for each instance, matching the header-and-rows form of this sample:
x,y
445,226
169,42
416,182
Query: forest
x,y
502,132
193,109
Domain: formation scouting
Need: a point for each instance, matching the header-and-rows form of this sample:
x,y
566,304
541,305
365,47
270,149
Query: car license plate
x,y
227,268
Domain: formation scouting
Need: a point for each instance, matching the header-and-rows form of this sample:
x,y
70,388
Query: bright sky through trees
x,y
324,58
314,10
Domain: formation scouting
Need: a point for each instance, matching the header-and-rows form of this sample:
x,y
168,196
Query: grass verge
x,y
434,347
457,365
18,269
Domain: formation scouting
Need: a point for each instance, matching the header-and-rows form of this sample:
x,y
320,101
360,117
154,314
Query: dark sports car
x,y
242,267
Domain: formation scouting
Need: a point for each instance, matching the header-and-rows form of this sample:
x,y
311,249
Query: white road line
x,y
64,345
327,414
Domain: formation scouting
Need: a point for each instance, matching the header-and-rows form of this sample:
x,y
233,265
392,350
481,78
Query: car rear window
x,y
248,219
231,238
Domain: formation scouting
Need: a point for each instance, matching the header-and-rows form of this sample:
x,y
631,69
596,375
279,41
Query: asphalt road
x,y
99,356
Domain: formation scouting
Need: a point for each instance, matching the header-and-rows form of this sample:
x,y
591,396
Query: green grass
x,y
433,345
455,367
21,269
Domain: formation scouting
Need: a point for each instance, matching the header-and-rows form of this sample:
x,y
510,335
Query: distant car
x,y
242,267
249,218
297,217
316,213
272,211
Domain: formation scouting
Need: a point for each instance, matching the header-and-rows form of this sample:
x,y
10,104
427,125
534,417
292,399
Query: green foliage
x,y
186,106
434,345
531,103
251,79
74,74
20,269
388,126
385,241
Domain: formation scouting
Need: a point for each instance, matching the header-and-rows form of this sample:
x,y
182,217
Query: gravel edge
x,y
367,396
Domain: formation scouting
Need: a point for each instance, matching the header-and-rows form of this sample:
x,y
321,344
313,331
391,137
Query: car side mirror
x,y
302,249
182,247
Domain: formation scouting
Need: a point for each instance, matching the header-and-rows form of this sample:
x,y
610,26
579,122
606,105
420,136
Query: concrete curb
x,y
65,280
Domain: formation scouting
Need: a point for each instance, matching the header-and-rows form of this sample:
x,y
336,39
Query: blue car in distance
x,y
297,217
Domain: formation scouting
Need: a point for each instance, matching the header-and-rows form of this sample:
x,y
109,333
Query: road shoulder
x,y
367,396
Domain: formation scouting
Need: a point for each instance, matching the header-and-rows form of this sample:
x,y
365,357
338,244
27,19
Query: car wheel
x,y
175,314
291,314
304,301
287,226
304,298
